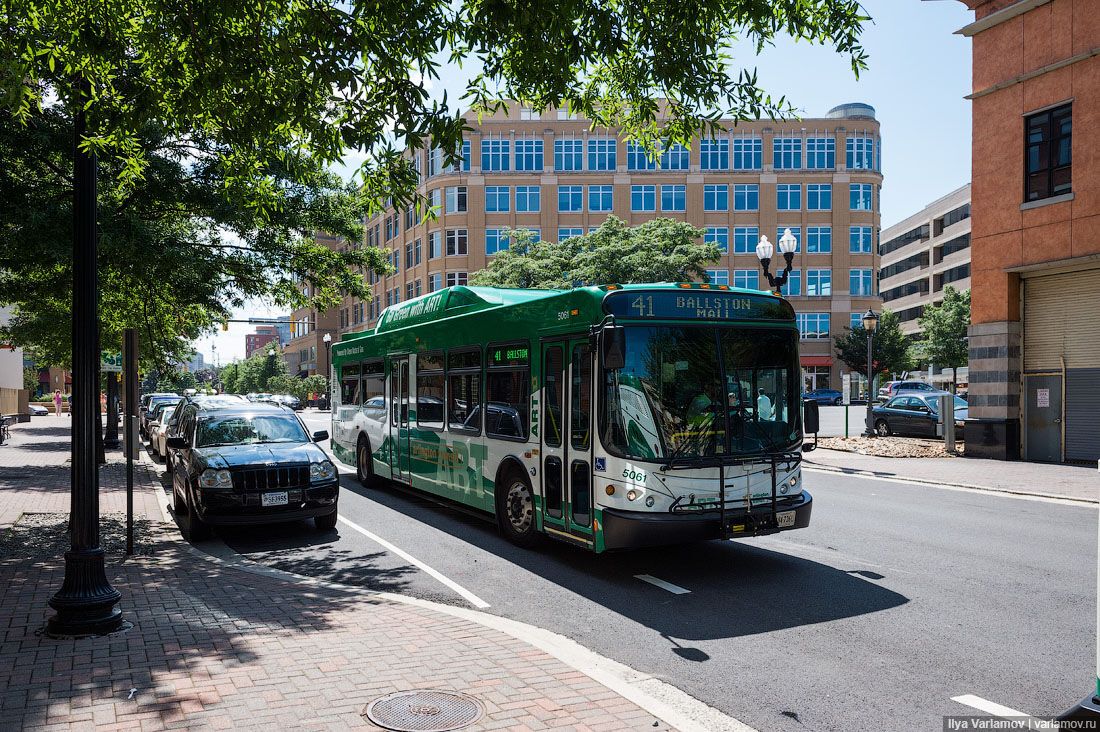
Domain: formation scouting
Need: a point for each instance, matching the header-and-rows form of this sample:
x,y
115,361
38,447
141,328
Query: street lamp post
x,y
788,245
870,322
327,340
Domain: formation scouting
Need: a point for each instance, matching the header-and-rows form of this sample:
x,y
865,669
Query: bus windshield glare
x,y
700,392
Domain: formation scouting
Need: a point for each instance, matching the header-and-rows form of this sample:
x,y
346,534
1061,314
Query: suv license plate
x,y
280,499
785,520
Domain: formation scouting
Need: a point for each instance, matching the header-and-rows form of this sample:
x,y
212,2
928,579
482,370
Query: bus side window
x,y
349,385
464,391
508,391
429,390
373,387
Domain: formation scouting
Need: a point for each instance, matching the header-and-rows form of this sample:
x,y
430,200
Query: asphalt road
x,y
896,599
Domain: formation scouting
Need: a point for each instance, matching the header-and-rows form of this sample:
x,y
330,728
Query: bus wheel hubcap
x,y
520,507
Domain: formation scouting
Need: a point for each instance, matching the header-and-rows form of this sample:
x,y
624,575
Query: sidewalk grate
x,y
424,710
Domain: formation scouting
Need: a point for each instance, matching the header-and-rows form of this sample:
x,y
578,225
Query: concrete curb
x,y
939,483
663,700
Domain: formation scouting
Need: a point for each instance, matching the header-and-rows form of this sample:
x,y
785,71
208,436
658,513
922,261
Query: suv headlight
x,y
321,471
216,479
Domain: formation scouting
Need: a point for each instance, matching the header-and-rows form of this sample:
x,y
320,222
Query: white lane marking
x,y
466,594
674,589
984,705
1044,498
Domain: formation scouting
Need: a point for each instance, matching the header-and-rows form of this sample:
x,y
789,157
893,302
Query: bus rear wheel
x,y
364,464
516,509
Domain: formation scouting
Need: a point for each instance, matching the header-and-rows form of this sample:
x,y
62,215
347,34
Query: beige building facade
x,y
555,175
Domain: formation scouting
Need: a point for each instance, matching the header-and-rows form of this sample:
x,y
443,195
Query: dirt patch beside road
x,y
898,447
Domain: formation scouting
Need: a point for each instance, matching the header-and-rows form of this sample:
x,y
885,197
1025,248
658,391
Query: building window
x,y
435,199
793,285
496,199
409,291
745,239
674,198
748,153
714,154
819,239
719,235
567,233
495,241
859,239
568,154
819,282
529,155
536,232
796,232
643,198
860,283
819,197
528,199
859,196
566,114
1049,155
718,276
435,248
395,260
788,196
570,199
716,197
674,157
813,326
456,242
600,198
495,155
855,320
637,159
464,163
601,154
416,252
410,218
435,281
435,161
787,153
746,278
860,153
454,279
820,153
408,255
746,197
456,199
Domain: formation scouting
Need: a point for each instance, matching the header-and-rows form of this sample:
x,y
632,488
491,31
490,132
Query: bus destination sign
x,y
509,355
696,305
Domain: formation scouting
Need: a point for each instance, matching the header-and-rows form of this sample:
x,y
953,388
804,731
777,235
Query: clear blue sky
x,y
918,74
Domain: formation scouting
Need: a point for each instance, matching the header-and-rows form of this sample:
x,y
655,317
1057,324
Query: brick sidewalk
x,y
1066,481
215,647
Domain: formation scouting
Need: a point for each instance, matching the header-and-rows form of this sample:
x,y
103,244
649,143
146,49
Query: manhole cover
x,y
426,710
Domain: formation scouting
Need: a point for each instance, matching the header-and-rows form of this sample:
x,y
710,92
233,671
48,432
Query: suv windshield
x,y
688,392
245,429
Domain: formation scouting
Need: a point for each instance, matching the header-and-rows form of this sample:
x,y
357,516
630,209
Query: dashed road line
x,y
674,589
466,594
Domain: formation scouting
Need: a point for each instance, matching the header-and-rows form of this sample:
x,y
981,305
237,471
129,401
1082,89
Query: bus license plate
x,y
277,499
785,520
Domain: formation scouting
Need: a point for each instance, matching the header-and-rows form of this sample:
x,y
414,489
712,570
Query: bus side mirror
x,y
613,347
811,417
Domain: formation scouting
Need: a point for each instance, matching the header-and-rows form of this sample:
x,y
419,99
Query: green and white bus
x,y
608,417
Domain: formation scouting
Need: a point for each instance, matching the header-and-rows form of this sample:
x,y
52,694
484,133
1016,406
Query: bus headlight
x,y
321,471
215,479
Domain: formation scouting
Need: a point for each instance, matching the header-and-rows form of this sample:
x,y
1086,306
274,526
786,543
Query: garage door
x,y
1061,314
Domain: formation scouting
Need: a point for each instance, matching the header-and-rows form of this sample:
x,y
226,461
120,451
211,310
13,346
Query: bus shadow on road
x,y
736,588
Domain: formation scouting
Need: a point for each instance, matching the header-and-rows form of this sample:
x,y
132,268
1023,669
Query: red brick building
x,y
1035,262
264,335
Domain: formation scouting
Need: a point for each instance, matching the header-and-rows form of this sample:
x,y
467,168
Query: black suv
x,y
249,464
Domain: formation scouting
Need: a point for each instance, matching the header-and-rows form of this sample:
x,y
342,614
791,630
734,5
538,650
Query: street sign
x,y
110,361
846,389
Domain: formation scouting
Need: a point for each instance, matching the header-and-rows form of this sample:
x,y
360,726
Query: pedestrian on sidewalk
x,y
57,401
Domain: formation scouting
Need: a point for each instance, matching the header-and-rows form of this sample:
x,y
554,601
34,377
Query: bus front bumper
x,y
630,529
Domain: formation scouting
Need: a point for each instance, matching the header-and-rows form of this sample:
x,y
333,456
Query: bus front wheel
x,y
364,464
516,509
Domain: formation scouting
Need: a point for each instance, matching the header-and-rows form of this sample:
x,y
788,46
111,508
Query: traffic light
x,y
225,325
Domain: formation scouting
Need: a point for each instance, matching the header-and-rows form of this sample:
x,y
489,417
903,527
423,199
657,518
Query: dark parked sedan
x,y
824,396
915,414
249,464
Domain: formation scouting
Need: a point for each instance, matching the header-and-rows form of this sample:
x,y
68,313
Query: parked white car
x,y
157,431
37,410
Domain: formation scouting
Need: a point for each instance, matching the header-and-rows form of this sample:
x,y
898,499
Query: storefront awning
x,y
816,360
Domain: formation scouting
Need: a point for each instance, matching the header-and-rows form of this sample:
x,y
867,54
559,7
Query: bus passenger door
x,y
580,408
399,418
553,435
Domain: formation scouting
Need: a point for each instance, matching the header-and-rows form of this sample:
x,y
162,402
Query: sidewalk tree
x,y
229,378
944,328
661,250
889,349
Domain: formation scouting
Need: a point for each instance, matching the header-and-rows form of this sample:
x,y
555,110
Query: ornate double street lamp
x,y
788,245
870,322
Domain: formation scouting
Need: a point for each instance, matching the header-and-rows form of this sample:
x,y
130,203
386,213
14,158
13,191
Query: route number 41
x,y
644,305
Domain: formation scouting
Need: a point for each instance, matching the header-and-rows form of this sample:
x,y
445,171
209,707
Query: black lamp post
x,y
327,340
86,603
870,322
788,245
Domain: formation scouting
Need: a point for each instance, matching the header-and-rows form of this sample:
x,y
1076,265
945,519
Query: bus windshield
x,y
700,392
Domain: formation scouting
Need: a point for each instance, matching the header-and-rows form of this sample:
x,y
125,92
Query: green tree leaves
x,y
661,250
944,329
890,348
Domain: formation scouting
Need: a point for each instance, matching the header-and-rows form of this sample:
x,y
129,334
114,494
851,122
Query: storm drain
x,y
425,710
